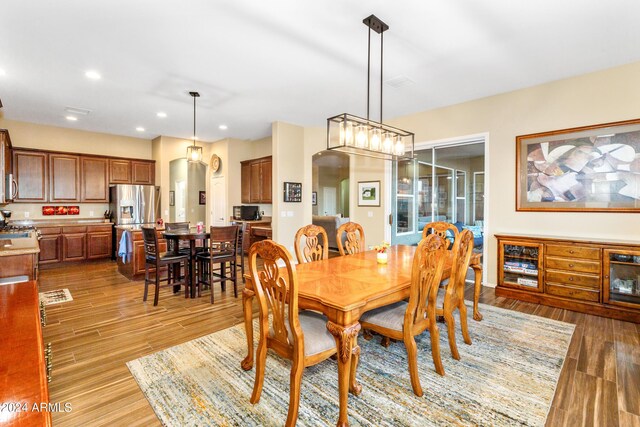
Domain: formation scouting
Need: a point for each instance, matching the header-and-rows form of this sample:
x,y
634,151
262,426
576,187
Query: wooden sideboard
x,y
23,364
589,276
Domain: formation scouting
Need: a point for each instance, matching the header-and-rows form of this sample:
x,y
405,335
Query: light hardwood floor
x,y
107,324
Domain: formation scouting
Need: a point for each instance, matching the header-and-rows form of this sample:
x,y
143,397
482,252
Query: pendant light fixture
x,y
194,153
356,135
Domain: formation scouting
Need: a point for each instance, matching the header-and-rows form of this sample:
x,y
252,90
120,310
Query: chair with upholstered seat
x,y
301,337
354,242
444,229
404,320
156,259
223,244
315,246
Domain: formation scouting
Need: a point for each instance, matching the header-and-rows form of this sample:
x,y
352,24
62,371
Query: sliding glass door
x,y
443,183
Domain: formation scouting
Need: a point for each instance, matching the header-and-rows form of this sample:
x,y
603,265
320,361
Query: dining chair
x,y
223,246
444,229
243,233
302,337
354,242
315,246
404,320
156,259
454,290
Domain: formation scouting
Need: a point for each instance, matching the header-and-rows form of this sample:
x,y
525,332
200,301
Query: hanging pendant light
x,y
356,135
194,153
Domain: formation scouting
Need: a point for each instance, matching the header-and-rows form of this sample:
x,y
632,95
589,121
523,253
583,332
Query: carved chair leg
x,y
412,357
366,334
435,348
451,332
385,342
297,369
463,323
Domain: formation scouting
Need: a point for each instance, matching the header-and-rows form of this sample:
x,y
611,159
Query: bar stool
x,y
223,245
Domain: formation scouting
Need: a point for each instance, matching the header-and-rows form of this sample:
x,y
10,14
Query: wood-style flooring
x,y
107,324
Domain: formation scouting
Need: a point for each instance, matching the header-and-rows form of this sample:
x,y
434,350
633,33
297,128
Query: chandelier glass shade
x,y
356,135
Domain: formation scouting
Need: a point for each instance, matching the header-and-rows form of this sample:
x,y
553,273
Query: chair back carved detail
x,y
316,246
355,238
444,229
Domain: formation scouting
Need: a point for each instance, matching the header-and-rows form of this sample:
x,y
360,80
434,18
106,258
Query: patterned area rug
x,y
506,377
55,297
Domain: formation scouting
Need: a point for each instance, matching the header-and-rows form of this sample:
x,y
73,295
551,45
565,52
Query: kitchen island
x,y
19,254
131,265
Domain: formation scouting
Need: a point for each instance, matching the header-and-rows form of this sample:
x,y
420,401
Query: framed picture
x,y
172,198
314,198
585,169
293,192
202,197
369,193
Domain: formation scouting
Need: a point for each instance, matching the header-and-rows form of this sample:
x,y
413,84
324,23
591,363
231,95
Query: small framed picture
x,y
369,193
202,197
293,192
172,198
314,198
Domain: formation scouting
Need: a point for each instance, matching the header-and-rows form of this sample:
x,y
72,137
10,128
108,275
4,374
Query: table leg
x,y
345,338
477,270
176,274
192,264
247,306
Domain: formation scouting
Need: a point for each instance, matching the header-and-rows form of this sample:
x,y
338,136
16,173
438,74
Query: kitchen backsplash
x,y
22,211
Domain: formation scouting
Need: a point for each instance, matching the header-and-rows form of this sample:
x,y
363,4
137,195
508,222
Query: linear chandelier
x,y
365,137
194,153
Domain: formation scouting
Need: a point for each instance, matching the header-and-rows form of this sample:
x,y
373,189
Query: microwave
x,y
246,213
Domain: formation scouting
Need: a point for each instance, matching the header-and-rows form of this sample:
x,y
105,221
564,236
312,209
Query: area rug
x,y
506,377
56,297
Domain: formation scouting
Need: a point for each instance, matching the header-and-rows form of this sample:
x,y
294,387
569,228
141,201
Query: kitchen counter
x,y
59,222
137,227
21,246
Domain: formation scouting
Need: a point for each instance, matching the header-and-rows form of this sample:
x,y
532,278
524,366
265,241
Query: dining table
x,y
193,236
343,288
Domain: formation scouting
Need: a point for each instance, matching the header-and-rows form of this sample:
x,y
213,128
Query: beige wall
x,y
601,97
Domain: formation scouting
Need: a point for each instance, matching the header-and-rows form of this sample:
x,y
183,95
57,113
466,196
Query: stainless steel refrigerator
x,y
134,204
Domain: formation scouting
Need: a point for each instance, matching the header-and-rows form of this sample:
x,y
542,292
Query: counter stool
x,y
223,245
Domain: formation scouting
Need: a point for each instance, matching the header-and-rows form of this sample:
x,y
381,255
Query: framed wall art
x,y
172,198
293,192
369,193
202,197
586,169
314,198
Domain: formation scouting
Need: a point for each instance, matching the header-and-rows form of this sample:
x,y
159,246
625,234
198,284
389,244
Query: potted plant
x,y
381,250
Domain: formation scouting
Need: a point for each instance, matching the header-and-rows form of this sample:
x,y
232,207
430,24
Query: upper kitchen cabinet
x,y
119,171
128,171
7,187
31,174
256,180
94,180
143,172
64,178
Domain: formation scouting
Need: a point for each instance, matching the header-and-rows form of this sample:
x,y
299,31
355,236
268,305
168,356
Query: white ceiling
x,y
255,62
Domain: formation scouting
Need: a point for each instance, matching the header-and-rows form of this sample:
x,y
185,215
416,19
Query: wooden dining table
x,y
192,236
343,288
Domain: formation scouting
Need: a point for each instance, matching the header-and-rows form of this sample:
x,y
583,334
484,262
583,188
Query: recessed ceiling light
x,y
223,127
161,114
2,72
72,118
93,75
140,129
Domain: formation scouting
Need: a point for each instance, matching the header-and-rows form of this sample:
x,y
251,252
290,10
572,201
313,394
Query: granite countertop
x,y
59,222
21,246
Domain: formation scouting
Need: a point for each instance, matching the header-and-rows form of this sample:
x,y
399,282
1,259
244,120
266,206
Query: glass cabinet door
x,y
519,265
622,277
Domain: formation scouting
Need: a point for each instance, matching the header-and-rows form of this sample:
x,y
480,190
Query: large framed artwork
x,y
587,169
369,193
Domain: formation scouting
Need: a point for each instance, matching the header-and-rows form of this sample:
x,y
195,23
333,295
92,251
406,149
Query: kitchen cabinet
x,y
94,180
30,171
143,172
133,267
50,245
589,276
64,178
119,171
256,180
7,187
74,243
99,241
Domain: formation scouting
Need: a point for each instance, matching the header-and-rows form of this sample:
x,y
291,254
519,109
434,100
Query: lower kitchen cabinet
x,y
74,243
74,246
595,277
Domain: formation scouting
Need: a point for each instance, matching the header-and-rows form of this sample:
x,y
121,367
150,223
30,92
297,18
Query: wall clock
x,y
215,163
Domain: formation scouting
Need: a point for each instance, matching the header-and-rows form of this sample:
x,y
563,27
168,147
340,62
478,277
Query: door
x,y
218,202
329,195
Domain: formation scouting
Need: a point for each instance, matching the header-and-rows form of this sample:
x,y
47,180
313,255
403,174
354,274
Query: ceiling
x,y
255,62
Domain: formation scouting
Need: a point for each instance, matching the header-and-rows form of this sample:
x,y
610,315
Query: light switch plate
x,y
289,213
370,214
90,213
283,214
26,214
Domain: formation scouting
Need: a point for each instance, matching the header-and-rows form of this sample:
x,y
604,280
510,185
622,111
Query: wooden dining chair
x,y
154,259
354,242
444,229
404,320
223,244
301,337
315,246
